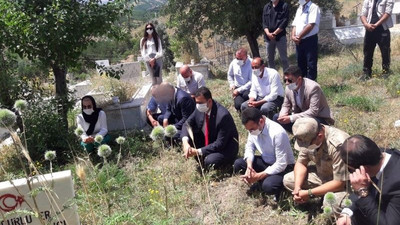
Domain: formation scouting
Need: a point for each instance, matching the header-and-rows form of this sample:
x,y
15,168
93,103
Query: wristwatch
x,y
362,192
310,194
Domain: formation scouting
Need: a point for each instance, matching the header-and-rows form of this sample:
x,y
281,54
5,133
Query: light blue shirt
x,y
309,13
240,76
273,144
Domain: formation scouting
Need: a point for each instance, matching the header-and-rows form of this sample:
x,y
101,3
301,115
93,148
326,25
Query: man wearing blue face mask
x,y
305,36
266,92
276,158
239,78
319,144
214,135
303,98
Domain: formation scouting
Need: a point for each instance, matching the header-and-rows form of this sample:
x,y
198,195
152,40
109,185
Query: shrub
x,y
44,130
361,103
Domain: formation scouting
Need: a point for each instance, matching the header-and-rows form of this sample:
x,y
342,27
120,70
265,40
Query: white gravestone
x,y
16,196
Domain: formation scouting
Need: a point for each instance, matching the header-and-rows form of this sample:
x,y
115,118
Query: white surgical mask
x,y
187,79
314,146
292,86
302,2
255,132
257,72
202,107
149,32
88,111
240,62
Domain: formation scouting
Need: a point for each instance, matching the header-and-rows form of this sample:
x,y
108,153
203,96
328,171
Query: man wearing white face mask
x,y
303,98
239,78
317,143
305,36
190,80
266,92
276,158
215,137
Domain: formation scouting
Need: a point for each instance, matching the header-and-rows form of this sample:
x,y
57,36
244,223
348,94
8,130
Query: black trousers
x,y
379,37
272,184
307,56
242,97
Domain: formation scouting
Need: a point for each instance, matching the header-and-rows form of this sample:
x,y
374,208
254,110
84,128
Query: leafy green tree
x,y
235,18
55,32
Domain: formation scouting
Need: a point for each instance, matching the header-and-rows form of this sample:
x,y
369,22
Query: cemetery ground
x,y
154,184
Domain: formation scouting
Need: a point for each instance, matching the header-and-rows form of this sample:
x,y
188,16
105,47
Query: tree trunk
x,y
60,75
252,40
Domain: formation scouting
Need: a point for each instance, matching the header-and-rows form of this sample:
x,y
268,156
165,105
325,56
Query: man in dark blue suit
x,y
180,105
376,183
214,135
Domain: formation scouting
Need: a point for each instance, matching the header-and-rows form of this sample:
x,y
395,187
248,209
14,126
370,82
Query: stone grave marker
x,y
54,206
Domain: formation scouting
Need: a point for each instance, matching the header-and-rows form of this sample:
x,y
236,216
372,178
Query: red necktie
x,y
206,130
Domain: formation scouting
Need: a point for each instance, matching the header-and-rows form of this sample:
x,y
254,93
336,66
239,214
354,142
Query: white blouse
x,y
151,49
100,127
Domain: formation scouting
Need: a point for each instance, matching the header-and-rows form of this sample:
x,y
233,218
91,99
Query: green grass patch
x,y
361,103
331,91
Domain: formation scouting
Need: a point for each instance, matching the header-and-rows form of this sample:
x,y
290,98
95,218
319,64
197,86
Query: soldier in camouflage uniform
x,y
319,168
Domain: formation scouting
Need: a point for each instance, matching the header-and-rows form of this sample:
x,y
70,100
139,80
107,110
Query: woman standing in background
x,y
151,50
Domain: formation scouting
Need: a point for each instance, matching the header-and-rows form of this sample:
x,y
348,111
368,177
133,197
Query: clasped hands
x,y
253,103
188,151
251,176
300,196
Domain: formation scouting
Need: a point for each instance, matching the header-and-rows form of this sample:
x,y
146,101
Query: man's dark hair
x,y
359,150
293,70
251,114
205,92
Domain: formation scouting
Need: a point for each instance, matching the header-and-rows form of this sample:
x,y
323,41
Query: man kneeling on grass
x,y
212,131
276,158
318,144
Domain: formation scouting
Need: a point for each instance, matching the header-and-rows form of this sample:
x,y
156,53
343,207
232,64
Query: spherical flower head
x,y
328,210
50,155
330,198
170,131
98,138
104,151
157,133
21,105
78,131
120,140
7,118
347,202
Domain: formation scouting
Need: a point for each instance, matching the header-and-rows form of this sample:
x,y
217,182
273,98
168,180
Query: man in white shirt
x,y
276,158
305,35
266,92
189,80
239,77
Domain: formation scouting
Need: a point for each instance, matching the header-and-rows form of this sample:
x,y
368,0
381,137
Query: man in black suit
x,y
375,181
214,132
180,105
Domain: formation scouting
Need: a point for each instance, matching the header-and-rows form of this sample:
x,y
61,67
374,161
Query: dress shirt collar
x,y
385,162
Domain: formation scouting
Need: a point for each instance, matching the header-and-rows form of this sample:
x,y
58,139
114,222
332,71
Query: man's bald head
x,y
241,54
185,71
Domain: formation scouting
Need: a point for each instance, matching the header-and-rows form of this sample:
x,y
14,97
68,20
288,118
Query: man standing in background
x,y
376,18
305,35
275,20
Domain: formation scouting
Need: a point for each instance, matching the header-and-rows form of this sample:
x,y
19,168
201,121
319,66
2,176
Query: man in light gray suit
x,y
303,98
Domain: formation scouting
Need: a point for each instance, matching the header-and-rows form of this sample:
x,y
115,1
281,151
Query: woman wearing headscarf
x,y
152,53
93,121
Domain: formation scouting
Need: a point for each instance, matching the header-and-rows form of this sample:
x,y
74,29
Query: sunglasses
x,y
287,80
149,28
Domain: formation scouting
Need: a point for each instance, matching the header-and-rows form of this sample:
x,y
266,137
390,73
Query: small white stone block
x,y
17,196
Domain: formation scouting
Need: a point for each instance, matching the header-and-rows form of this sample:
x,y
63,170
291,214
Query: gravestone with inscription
x,y
53,202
